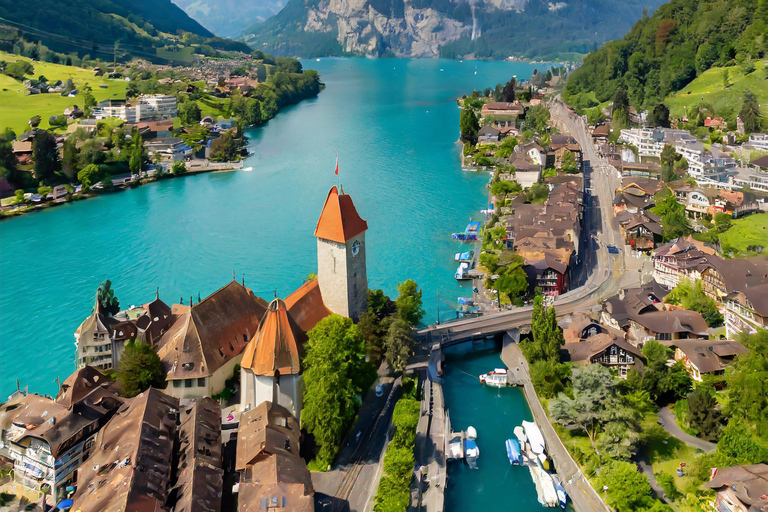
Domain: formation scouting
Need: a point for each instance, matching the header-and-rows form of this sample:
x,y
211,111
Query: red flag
x,y
337,165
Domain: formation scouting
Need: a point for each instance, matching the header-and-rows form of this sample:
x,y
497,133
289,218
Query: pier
x,y
581,493
432,437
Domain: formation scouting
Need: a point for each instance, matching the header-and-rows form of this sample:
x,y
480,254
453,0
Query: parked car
x,y
379,390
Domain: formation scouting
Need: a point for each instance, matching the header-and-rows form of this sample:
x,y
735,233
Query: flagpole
x,y
338,178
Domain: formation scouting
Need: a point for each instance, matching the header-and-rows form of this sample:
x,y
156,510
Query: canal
x,y
494,412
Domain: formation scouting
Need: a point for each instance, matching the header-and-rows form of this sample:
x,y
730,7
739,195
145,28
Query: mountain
x,y
155,29
665,52
493,29
216,15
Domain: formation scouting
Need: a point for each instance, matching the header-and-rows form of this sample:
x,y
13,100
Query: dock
x,y
581,493
428,490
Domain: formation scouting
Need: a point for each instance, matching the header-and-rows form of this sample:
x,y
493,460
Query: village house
x,y
642,231
601,133
145,108
558,146
607,349
46,440
488,135
740,488
548,275
706,357
272,474
746,310
503,110
169,149
641,314
681,258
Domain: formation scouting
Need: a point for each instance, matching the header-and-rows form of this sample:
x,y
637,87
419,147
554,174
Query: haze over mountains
x,y
228,18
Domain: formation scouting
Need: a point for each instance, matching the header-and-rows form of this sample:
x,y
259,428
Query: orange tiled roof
x,y
339,220
276,345
306,305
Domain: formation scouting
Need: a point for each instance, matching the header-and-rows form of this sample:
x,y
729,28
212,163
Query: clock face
x,y
355,248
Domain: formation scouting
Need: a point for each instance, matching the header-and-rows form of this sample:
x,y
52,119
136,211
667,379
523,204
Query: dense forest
x,y
664,52
93,27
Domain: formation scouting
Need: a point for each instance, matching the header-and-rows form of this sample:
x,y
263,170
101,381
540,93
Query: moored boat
x,y
562,496
497,378
545,486
464,256
471,450
462,272
520,435
513,451
535,438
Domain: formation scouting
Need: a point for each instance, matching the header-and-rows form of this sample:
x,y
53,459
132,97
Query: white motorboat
x,y
536,440
497,377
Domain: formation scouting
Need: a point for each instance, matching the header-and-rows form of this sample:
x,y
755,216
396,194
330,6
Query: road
x,y
668,421
607,274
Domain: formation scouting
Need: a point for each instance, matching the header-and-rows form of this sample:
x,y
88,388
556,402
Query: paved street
x,y
668,421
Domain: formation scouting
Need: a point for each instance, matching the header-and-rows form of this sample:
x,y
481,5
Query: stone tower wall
x,y
342,277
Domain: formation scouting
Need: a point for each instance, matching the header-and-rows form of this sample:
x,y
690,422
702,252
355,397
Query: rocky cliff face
x,y
452,28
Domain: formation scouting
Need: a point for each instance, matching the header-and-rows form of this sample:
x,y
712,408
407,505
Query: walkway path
x,y
584,497
668,421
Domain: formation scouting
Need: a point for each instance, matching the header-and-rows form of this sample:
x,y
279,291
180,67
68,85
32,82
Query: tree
x,y
747,380
703,414
225,148
668,158
178,168
672,213
692,297
139,368
537,117
46,155
595,116
621,108
469,126
508,92
750,112
399,343
189,112
136,162
409,303
568,163
19,69
506,147
626,489
89,101
594,404
549,377
504,187
105,295
513,283
664,383
659,116
336,372
89,175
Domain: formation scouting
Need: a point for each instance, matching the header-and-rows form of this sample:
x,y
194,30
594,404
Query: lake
x,y
393,124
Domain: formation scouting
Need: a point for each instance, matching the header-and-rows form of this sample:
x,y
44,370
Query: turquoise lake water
x,y
394,125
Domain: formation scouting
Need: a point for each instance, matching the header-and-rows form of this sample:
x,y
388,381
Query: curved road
x,y
668,421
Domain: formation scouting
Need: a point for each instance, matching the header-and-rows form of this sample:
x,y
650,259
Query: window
x,y
201,382
188,383
177,383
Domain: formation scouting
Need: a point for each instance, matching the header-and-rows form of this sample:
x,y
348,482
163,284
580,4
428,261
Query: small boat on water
x,y
247,169
545,486
462,273
497,378
513,451
464,256
535,438
520,435
471,450
562,496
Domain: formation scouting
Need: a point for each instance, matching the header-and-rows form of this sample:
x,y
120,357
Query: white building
x,y
759,141
153,107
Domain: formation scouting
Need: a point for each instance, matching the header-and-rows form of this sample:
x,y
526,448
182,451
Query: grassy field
x,y
16,107
708,88
747,231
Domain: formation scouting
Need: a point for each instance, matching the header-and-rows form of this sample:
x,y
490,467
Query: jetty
x,y
432,438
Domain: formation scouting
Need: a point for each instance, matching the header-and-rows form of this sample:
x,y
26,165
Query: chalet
x,y
681,258
607,349
578,327
740,488
746,310
46,440
548,274
706,357
601,133
488,134
503,110
642,231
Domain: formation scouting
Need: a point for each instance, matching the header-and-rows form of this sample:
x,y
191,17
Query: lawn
x,y
751,230
708,88
16,107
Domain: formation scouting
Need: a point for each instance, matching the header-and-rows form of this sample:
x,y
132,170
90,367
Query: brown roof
x,y
709,355
82,383
200,476
748,483
758,298
577,325
282,480
211,333
306,305
761,162
585,351
601,131
277,344
263,431
156,319
339,220
130,464
675,321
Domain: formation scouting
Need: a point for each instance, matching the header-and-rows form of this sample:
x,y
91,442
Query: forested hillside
x,y
665,52
91,27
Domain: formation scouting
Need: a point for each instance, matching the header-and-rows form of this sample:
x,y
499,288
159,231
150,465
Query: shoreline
x,y
10,213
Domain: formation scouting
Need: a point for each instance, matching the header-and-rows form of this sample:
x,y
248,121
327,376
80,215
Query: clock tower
x,y
341,270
